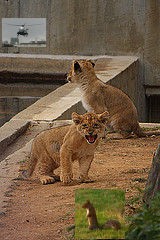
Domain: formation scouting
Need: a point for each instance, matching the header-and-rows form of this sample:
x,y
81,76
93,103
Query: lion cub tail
x,y
33,161
138,131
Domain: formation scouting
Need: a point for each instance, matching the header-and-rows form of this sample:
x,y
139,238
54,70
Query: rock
x,y
153,181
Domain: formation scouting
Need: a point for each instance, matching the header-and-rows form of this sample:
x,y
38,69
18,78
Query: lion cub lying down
x,y
61,146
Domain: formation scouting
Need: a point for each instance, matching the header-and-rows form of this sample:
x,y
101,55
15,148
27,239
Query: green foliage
x,y
146,223
108,203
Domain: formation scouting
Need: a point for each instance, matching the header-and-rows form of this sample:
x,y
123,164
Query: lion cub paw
x,y
85,179
66,178
47,179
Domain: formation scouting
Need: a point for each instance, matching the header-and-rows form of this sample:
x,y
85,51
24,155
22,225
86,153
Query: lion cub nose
x,y
90,133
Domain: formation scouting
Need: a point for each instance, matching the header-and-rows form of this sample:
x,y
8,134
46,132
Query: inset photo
x,y
23,32
99,214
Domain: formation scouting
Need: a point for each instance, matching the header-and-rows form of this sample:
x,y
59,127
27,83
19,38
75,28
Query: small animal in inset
x,y
99,97
63,145
92,219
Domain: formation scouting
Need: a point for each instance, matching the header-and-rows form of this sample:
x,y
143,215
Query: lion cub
x,y
99,97
61,146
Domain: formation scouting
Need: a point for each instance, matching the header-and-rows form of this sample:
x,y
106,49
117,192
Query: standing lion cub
x,y
63,145
99,97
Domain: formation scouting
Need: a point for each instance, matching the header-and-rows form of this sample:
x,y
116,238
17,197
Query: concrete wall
x,y
93,27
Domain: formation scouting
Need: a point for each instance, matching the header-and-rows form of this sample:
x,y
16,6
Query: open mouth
x,y
91,138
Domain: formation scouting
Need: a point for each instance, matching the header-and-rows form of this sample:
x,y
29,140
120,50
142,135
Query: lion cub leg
x,y
84,166
121,129
46,169
66,165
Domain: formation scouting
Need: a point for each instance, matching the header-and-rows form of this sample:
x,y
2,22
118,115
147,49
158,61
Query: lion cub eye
x,y
84,125
95,125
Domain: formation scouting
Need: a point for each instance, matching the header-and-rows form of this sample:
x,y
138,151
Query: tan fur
x,y
99,97
92,219
63,145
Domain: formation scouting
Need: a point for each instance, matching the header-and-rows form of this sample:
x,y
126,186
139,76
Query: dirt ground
x,y
40,212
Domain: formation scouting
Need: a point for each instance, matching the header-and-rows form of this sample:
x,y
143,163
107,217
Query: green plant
x,y
146,223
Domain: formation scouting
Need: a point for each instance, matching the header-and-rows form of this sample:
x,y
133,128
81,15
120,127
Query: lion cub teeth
x,y
91,138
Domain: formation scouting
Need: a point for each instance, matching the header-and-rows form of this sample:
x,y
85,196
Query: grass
x,y
108,204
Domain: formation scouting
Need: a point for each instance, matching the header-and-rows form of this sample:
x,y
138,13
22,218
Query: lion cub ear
x,y
76,118
92,62
77,67
104,117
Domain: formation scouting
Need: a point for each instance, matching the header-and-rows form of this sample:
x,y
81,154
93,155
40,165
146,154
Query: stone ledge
x,y
10,131
59,63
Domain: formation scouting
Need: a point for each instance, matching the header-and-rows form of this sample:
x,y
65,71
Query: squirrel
x,y
92,219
